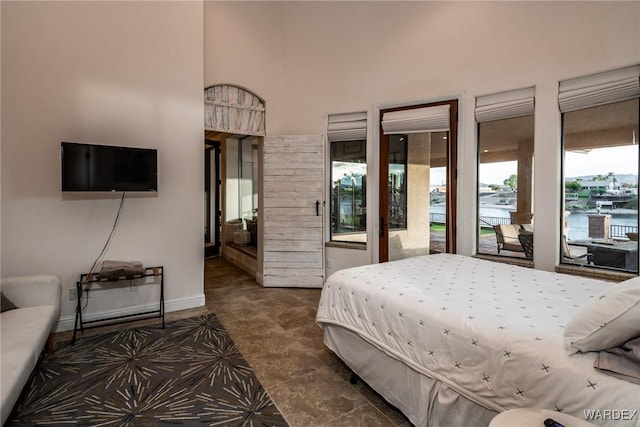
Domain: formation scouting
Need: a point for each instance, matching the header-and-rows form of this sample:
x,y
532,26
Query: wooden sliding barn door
x,y
292,205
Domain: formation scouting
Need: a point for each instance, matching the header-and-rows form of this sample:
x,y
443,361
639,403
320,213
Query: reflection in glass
x,y
241,201
397,182
438,191
248,194
348,191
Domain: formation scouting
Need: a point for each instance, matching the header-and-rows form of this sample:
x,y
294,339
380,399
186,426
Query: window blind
x,y
347,127
417,120
505,105
599,89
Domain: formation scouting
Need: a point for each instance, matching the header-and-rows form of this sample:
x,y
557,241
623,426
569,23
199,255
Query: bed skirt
x,y
423,400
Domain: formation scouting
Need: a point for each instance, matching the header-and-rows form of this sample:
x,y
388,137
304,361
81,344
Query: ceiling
x,y
606,125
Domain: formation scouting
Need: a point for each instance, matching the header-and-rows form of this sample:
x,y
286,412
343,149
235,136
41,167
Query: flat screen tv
x,y
90,167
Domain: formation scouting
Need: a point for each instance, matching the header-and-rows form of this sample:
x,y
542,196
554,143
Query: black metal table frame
x,y
86,278
620,255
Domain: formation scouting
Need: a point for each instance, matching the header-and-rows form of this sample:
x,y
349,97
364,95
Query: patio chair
x,y
507,237
583,259
526,240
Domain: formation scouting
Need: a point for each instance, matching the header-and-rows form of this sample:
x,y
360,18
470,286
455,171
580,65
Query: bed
x,y
453,340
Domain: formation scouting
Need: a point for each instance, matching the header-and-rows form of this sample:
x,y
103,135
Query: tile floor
x,y
275,330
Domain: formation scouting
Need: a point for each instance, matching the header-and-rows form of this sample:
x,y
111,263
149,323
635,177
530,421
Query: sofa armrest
x,y
30,291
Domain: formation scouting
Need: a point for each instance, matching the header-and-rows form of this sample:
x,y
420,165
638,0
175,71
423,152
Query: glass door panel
x,y
409,195
417,181
438,192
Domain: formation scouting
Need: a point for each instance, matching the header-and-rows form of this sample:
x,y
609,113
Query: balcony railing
x,y
485,221
490,221
622,230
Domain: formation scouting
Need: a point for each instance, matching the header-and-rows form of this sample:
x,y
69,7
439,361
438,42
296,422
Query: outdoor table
x,y
613,253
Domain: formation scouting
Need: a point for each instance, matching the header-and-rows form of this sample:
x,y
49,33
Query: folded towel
x,y
116,269
622,362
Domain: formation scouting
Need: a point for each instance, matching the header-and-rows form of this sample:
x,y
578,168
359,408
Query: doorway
x,y
418,180
212,212
231,114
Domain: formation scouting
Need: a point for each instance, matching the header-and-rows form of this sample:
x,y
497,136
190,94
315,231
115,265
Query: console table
x,y
85,278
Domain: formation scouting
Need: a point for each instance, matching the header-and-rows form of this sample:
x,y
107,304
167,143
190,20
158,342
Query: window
x,y
242,184
505,173
348,157
600,120
397,182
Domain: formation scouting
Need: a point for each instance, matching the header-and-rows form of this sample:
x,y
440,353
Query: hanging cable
x,y
104,248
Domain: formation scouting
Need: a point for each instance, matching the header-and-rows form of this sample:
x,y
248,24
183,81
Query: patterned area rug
x,y
189,373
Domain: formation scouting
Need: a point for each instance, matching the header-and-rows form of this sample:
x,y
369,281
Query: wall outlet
x,y
329,262
73,294
133,287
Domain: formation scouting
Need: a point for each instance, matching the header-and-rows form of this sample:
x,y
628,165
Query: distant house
x,y
597,186
440,189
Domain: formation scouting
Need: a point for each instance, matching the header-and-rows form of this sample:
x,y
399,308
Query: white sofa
x,y
24,331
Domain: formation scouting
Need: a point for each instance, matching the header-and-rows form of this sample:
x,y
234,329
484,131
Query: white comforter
x,y
491,331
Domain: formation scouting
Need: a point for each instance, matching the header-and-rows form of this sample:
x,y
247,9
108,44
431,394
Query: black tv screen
x,y
90,167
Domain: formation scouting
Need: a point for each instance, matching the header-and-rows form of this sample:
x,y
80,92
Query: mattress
x,y
490,331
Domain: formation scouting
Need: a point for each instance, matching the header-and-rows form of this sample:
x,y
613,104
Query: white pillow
x,y
608,320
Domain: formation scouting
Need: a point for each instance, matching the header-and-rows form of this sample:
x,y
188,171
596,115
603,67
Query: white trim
x,y
373,186
66,323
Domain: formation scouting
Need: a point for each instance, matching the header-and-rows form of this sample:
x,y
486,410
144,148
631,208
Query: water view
x,y
577,222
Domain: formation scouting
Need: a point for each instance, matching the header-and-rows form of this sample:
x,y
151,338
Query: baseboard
x,y
66,323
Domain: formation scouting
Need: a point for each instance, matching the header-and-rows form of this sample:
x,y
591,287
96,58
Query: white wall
x,y
243,47
115,73
310,59
0,141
